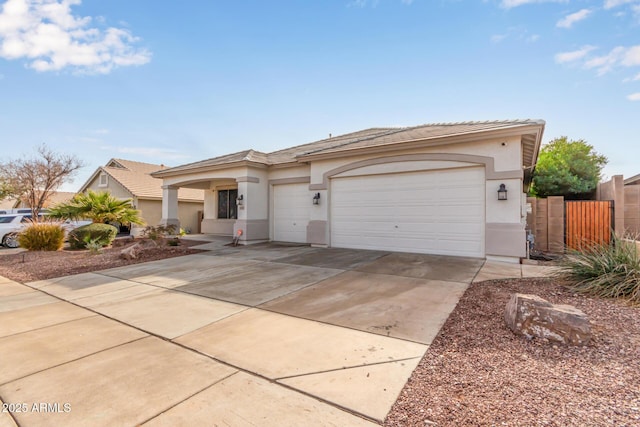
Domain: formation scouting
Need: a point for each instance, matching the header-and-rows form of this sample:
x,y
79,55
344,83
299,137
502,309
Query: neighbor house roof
x,y
136,178
634,180
55,198
375,138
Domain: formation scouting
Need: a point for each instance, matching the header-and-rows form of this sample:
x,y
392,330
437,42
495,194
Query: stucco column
x,y
210,207
170,206
253,209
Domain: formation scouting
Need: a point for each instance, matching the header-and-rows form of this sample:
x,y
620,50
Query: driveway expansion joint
x,y
189,397
346,368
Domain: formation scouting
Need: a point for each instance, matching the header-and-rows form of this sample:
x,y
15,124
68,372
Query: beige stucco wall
x,y
151,211
113,187
187,213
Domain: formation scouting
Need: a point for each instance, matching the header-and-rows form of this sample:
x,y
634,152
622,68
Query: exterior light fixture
x,y
316,199
502,192
240,200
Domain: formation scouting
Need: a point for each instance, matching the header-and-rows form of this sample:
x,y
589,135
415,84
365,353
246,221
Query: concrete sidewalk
x,y
270,335
492,270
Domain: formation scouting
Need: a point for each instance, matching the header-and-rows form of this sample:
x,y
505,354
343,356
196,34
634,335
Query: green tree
x,y
567,168
35,179
99,207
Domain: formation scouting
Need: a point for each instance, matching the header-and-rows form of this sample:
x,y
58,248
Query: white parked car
x,y
10,226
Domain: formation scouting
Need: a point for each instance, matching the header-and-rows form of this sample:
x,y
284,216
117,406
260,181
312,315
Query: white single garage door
x,y
433,212
291,207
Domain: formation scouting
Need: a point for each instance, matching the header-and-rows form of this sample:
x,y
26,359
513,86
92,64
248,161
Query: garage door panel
x,y
440,212
291,208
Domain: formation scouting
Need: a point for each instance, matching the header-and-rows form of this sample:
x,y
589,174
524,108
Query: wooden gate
x,y
588,222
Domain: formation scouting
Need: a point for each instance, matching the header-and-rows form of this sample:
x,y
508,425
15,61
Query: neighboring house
x,y
55,198
127,179
7,204
426,189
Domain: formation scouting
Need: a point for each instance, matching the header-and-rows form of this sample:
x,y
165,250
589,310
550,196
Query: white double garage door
x,y
433,212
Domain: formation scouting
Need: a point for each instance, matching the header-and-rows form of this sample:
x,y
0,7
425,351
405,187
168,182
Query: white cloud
x,y
574,55
51,38
569,20
101,131
634,96
155,152
618,57
631,57
508,4
497,38
610,4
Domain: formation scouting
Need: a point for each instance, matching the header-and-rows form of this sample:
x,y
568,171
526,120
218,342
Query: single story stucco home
x,y
447,188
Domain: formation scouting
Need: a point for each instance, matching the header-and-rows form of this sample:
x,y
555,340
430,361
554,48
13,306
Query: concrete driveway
x,y
261,335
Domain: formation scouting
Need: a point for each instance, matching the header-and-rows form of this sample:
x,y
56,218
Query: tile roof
x,y
136,177
425,132
634,180
367,138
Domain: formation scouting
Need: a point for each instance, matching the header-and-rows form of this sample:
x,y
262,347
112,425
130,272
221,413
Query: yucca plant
x,y
607,270
42,236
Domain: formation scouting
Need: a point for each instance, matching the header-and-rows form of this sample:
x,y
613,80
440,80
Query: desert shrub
x,y
94,246
173,242
607,270
42,236
102,234
156,232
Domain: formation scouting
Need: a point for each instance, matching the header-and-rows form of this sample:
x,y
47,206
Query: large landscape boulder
x,y
131,252
532,316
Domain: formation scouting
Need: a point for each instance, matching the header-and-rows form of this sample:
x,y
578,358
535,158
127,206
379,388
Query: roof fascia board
x,y
434,141
294,164
247,163
91,178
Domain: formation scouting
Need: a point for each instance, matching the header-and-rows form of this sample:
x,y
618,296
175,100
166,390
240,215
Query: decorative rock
x,y
532,316
132,252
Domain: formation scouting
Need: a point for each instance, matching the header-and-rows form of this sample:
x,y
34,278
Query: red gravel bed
x,y
478,373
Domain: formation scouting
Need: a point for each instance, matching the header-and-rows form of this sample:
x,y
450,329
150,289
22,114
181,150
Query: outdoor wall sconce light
x,y
240,200
316,199
502,192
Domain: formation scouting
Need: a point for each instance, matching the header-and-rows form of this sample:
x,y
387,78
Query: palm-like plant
x,y
99,207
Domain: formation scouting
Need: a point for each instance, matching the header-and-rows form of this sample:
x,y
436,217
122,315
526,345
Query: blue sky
x,y
174,82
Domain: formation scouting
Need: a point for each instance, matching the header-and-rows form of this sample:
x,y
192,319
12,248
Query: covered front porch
x,y
235,202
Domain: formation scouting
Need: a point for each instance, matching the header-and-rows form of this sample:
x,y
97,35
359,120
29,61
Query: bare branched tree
x,y
35,179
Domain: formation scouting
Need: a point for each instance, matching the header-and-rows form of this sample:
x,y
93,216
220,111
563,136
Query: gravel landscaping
x,y
478,373
38,265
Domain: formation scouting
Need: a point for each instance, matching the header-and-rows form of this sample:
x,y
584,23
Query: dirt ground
x,y
478,373
37,265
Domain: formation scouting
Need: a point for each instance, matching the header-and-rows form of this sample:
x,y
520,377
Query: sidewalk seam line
x,y
48,326
73,360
